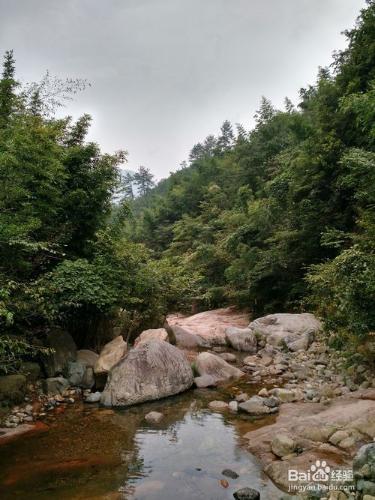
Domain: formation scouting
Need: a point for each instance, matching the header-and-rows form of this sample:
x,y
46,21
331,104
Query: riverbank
x,y
289,408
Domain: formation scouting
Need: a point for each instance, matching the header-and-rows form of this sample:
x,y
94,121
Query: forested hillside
x,y
282,217
64,260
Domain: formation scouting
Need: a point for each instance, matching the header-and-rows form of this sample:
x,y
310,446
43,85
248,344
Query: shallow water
x,y
94,453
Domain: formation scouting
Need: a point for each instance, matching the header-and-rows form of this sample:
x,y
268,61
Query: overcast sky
x,y
166,73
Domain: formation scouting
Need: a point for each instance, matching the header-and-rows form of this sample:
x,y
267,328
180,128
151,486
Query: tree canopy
x,y
277,218
281,217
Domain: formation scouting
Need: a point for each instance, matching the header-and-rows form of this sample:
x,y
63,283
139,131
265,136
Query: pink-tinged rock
x,y
210,326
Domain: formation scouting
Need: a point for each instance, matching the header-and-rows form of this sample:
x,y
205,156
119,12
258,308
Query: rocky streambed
x,y
270,411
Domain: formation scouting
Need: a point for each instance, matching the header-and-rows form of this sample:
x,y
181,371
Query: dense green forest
x,y
281,217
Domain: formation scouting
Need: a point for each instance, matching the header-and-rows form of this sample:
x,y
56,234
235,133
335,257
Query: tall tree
x,y
8,85
126,185
143,179
226,137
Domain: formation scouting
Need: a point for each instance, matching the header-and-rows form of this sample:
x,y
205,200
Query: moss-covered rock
x,y
12,388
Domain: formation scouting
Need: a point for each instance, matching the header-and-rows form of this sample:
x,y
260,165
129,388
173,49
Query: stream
x,y
88,452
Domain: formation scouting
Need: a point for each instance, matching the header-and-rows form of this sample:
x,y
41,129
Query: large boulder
x,y
75,372
111,354
209,326
55,385
12,388
152,334
89,358
295,331
214,366
154,370
241,339
31,370
63,350
81,372
186,339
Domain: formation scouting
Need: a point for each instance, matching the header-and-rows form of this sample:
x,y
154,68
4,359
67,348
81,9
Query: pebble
x,y
233,406
93,397
230,473
246,494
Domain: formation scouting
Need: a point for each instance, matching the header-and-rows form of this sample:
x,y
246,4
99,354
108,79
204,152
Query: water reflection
x,y
92,453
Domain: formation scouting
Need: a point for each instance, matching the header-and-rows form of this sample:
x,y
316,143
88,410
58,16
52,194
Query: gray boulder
x,y
221,371
257,406
186,339
111,354
55,385
153,370
88,380
295,331
63,350
241,339
75,372
80,375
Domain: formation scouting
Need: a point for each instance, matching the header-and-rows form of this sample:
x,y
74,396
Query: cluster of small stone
x,y
318,374
38,405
